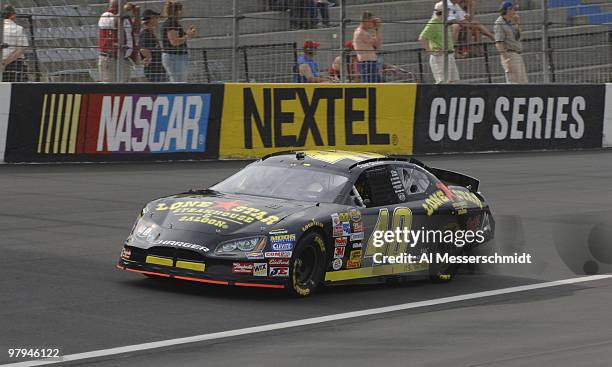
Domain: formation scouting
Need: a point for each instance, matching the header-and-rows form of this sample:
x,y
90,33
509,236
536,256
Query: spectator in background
x,y
350,64
322,6
175,54
367,39
301,13
151,49
459,19
432,39
132,25
108,43
307,68
508,42
13,57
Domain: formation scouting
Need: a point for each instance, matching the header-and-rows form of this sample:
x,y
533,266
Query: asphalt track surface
x,y
63,226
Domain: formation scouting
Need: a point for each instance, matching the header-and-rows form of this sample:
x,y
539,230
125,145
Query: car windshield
x,y
294,183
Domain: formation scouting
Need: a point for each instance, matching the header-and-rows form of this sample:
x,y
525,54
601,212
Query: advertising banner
x,y
51,122
477,118
259,119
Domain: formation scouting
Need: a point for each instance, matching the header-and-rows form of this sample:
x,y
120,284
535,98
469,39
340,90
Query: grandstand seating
x,y
65,37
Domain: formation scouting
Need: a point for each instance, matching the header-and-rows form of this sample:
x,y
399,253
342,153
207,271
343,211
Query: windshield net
x,y
294,183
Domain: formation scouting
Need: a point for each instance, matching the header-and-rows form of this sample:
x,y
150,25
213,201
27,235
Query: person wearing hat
x,y
507,31
150,48
13,56
351,65
432,40
307,68
108,42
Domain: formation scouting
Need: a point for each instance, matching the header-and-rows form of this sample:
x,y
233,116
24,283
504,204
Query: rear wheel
x,y
307,265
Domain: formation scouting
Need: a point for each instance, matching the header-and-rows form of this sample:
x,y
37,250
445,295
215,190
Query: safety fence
x,y
131,122
564,41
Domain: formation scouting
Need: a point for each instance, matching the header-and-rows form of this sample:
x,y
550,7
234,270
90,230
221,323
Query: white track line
x,y
304,322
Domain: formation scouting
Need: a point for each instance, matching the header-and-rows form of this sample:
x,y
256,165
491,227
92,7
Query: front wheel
x,y
307,265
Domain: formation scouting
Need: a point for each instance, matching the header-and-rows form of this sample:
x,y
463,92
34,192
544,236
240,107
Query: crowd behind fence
x,y
563,41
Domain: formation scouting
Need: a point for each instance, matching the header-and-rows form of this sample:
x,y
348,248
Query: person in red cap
x,y
308,69
351,65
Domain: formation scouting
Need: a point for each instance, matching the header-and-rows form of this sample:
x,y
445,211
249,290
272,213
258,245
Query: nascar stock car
x,y
298,220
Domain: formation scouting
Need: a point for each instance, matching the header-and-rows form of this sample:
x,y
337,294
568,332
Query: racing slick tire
x,y
307,267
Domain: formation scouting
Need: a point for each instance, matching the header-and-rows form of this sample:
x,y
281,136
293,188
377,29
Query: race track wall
x,y
112,122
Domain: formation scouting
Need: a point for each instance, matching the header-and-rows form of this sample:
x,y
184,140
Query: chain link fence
x,y
564,41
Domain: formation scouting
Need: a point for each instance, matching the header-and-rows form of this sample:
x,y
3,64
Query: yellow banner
x,y
259,119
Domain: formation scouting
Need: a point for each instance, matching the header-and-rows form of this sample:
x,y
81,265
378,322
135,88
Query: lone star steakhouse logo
x,y
227,205
218,213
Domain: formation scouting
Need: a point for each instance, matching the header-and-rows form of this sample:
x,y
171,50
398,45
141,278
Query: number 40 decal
x,y
402,219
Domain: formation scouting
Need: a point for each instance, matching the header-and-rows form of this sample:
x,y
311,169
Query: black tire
x,y
307,267
445,272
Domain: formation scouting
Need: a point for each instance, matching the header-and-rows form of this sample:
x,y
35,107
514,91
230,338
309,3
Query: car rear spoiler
x,y
455,178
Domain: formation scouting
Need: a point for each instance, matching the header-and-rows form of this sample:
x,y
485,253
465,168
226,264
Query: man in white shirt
x,y
13,56
366,40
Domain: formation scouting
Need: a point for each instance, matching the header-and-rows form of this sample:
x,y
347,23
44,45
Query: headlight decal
x,y
242,245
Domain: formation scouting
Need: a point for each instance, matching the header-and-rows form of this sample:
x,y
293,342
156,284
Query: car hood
x,y
221,214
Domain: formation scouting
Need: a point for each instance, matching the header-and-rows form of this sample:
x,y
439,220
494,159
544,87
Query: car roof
x,y
334,160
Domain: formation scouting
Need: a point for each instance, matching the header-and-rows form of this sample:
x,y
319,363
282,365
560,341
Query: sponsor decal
x,y
255,256
339,252
312,224
345,117
179,244
282,246
337,264
282,242
279,271
357,244
278,262
215,213
398,186
242,268
260,269
441,197
278,231
355,214
338,232
357,236
353,264
342,241
335,219
278,254
357,226
355,255
126,253
346,228
538,117
344,217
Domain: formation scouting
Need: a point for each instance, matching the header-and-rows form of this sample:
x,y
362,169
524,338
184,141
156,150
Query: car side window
x,y
413,181
378,186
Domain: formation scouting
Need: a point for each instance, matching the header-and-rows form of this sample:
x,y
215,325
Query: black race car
x,y
297,220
